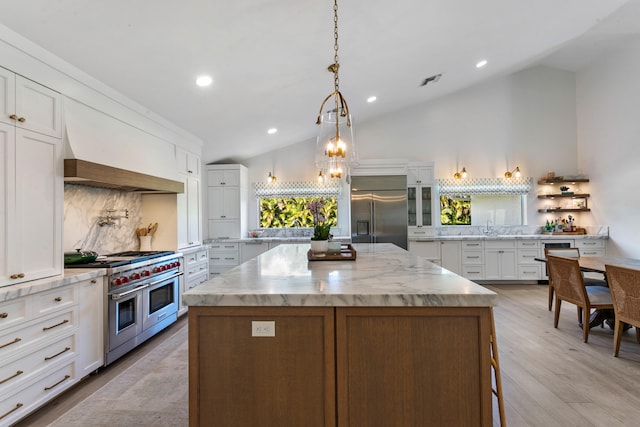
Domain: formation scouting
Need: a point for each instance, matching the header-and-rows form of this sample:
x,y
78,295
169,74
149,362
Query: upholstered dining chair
x,y
569,286
569,253
624,284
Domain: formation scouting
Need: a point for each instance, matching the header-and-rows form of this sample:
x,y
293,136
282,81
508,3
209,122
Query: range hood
x,y
88,173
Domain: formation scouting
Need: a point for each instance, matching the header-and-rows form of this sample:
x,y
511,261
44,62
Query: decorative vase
x,y
319,246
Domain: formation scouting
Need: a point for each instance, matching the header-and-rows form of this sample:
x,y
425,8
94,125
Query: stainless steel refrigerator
x,y
379,209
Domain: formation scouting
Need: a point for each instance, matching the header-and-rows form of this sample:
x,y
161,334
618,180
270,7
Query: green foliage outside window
x,y
293,212
455,211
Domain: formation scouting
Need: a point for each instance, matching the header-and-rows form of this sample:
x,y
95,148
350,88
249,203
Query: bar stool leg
x,y
495,365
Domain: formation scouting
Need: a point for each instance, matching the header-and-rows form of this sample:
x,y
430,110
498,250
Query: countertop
x,y
382,275
514,236
296,239
70,276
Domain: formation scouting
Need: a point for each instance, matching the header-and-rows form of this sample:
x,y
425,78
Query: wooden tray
x,y
347,253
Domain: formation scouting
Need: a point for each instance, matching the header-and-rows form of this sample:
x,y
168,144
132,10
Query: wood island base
x,y
340,366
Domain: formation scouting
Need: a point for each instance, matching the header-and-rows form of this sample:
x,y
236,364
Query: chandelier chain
x,y
336,79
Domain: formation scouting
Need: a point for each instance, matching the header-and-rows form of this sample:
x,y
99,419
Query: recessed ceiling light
x,y
204,81
272,131
371,99
481,63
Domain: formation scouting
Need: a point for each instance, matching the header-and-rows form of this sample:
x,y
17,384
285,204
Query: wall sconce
x,y
320,176
515,172
271,178
461,174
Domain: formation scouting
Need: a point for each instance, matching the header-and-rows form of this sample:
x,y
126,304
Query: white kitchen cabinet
x,y
451,256
31,196
223,256
46,345
189,203
196,271
589,247
420,200
91,325
420,173
187,162
429,249
500,260
226,201
249,250
528,267
29,105
472,259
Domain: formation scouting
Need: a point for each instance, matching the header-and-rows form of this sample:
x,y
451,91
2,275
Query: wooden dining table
x,y
597,264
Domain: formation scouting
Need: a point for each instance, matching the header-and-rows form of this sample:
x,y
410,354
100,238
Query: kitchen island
x,y
387,339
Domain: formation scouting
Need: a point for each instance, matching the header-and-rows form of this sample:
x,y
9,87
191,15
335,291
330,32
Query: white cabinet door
x,y
451,256
429,249
251,250
419,174
223,177
32,195
38,108
7,95
224,203
187,162
189,215
500,264
91,325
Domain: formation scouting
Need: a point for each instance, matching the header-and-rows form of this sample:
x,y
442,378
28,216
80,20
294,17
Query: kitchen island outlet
x,y
388,339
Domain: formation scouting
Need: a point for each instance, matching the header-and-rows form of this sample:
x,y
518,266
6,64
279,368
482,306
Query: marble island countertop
x,y
382,275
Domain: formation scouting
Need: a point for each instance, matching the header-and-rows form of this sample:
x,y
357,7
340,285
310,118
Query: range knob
x,y
116,282
125,279
135,276
146,273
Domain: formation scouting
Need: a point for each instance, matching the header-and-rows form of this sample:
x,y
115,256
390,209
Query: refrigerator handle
x,y
372,212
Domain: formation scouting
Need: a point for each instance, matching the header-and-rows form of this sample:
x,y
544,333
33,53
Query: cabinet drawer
x,y
473,272
589,244
529,272
196,268
218,270
528,256
471,244
16,339
198,279
25,400
22,368
13,312
472,257
528,244
53,300
215,247
500,244
196,257
592,252
223,259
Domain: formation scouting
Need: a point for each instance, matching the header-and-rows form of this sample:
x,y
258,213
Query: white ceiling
x,y
268,58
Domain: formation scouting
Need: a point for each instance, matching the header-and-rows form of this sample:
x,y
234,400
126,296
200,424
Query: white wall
x,y
527,119
608,106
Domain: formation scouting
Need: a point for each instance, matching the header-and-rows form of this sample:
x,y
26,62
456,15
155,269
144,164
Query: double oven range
x,y
141,297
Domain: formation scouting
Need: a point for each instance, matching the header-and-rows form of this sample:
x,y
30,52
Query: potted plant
x,y
321,227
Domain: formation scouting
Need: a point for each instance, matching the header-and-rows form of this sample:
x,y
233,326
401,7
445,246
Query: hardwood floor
x,y
550,377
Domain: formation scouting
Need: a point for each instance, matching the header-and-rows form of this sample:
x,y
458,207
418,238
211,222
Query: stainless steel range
x,y
142,297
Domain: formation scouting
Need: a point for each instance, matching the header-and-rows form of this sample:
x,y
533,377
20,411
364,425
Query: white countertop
x,y
382,275
70,276
515,236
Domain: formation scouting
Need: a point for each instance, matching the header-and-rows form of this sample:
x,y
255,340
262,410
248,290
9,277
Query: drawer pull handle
x,y
46,328
12,376
473,257
22,119
12,342
57,354
57,299
229,258
66,377
4,315
18,406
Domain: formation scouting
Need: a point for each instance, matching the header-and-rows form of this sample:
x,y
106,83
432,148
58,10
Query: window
x,y
455,210
293,212
492,209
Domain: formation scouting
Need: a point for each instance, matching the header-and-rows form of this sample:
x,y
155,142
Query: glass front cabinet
x,y
420,202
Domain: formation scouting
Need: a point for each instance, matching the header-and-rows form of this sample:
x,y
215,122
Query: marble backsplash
x,y
85,207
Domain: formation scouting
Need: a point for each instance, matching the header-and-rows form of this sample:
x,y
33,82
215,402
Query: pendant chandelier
x,y
335,150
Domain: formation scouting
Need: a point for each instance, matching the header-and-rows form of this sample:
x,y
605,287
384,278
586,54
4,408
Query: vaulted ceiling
x,y
269,58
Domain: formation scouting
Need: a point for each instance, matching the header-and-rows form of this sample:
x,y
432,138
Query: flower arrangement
x,y
321,227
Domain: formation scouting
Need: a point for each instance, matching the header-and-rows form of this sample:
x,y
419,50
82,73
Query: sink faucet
x,y
488,229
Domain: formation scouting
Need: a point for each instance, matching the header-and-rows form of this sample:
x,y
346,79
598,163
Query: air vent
x,y
431,79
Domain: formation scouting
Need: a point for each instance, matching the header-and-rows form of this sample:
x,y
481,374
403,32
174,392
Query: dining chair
x,y
624,284
569,253
569,286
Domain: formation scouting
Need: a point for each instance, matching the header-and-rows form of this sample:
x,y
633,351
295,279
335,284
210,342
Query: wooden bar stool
x,y
495,366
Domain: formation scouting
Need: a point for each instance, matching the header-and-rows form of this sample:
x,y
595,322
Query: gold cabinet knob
x,y
13,117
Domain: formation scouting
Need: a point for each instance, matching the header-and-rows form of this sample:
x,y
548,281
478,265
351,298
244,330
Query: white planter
x,y
319,246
